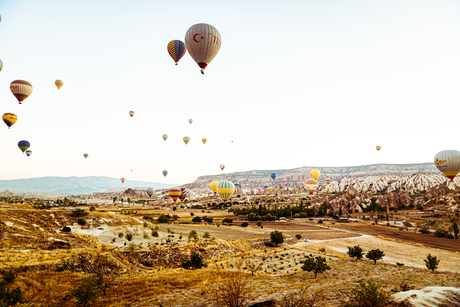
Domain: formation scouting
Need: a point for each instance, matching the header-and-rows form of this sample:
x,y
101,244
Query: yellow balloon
x,y
214,186
59,83
315,174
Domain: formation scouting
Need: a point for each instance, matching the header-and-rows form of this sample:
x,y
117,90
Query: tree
x,y
174,208
206,235
104,282
192,214
244,224
432,262
298,236
375,254
227,220
164,218
129,200
276,237
368,294
315,264
78,213
195,262
114,199
259,223
10,297
455,229
86,293
193,235
300,297
196,219
355,251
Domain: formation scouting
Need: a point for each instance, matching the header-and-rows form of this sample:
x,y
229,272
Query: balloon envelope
x,y
311,185
190,120
131,113
150,191
176,50
21,89
174,193
203,42
85,155
165,172
213,186
122,180
9,119
204,140
315,174
378,148
448,162
186,139
225,189
23,145
59,83
273,175
1,65
222,166
165,137
28,152
328,180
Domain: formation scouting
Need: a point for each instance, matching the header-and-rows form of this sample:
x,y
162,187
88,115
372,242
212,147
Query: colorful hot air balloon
x,y
190,121
165,172
203,42
9,119
28,152
85,155
378,148
213,186
23,145
448,162
186,139
1,65
222,166
59,83
273,175
174,193
311,185
122,180
237,185
204,140
328,180
131,113
225,189
176,50
165,137
21,89
183,194
150,192
315,174
269,188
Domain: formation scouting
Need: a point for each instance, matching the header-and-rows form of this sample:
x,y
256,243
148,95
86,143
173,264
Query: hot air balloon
x,y
131,113
86,156
378,148
183,194
203,42
150,192
269,188
21,89
225,189
328,180
273,175
213,186
190,121
28,152
311,185
315,174
448,162
9,119
165,137
165,172
204,140
176,50
1,65
59,83
222,166
237,185
122,180
174,193
186,139
23,145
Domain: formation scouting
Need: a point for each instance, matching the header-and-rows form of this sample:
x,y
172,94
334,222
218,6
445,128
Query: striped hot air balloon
x,y
328,180
273,175
378,148
85,155
311,185
225,189
9,119
131,113
315,174
186,139
213,186
21,89
28,152
203,42
176,50
59,83
23,145
175,193
448,162
165,137
190,121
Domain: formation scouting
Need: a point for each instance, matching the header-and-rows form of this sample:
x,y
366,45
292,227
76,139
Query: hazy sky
x,y
296,83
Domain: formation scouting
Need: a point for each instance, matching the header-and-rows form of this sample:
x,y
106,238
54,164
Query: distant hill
x,y
72,185
296,176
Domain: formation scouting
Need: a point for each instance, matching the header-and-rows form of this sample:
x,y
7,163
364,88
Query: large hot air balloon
x,y
23,145
21,89
176,50
213,186
85,155
1,65
165,137
448,162
225,189
28,152
315,174
186,139
183,194
131,113
9,119
175,193
59,83
150,192
311,185
203,42
273,175
165,172
378,148
204,140
122,180
222,166
190,121
328,180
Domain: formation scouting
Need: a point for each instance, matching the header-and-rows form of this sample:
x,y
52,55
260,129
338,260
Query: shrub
x,y
315,264
298,298
440,232
195,262
92,208
322,250
164,218
355,251
10,275
368,294
193,235
10,297
206,235
244,224
145,224
227,220
375,254
259,223
121,235
298,236
276,237
81,221
432,262
196,219
455,229
320,221
129,236
425,230
86,293
192,214
207,219
78,213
